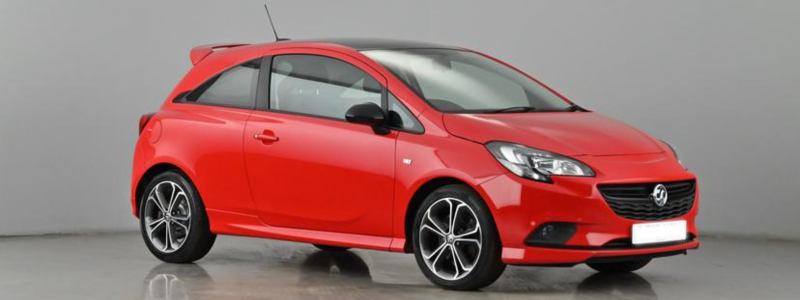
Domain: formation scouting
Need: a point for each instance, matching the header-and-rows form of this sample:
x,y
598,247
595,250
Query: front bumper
x,y
520,205
568,257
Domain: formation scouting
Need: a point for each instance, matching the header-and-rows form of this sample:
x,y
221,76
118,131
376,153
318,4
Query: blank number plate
x,y
659,232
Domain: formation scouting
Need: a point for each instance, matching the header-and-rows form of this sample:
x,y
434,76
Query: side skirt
x,y
228,223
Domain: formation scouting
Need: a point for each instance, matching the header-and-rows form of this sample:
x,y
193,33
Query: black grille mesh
x,y
632,201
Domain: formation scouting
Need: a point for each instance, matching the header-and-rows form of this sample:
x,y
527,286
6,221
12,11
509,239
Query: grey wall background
x,y
718,79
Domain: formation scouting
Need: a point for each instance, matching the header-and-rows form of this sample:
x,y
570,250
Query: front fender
x,y
424,159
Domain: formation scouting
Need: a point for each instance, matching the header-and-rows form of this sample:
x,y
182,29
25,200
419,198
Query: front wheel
x,y
619,267
173,220
455,239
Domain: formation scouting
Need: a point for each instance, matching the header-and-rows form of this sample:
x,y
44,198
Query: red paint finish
x,y
286,176
321,174
522,205
200,52
561,132
205,142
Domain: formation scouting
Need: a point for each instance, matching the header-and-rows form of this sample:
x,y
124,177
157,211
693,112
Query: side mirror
x,y
365,113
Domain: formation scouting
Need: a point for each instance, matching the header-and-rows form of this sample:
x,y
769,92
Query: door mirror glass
x,y
365,113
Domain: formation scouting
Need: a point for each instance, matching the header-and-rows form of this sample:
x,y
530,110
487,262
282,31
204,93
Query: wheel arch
x,y
419,196
148,175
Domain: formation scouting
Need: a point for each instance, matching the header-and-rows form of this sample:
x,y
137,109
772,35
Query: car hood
x,y
567,133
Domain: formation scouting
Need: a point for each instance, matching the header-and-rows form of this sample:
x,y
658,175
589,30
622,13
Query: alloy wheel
x,y
167,216
450,239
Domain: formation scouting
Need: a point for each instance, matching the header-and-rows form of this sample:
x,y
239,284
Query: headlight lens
x,y
536,164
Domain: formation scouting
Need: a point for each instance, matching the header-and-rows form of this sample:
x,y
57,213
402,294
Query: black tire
x,y
198,241
619,267
487,266
331,248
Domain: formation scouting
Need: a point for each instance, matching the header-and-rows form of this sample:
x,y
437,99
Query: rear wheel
x,y
330,248
455,240
173,220
619,267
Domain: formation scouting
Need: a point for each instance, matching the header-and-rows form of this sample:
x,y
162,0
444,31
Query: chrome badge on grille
x,y
659,195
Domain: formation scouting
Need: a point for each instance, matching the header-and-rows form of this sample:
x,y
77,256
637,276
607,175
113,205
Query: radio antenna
x,y
269,17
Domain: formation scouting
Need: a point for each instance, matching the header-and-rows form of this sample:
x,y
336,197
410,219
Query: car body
x,y
300,174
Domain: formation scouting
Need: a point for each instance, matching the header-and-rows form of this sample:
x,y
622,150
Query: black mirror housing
x,y
366,113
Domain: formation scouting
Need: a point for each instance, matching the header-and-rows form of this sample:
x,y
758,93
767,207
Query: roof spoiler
x,y
198,53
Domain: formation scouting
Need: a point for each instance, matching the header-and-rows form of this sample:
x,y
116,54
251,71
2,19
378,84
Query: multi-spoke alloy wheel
x,y
455,240
450,238
173,219
167,216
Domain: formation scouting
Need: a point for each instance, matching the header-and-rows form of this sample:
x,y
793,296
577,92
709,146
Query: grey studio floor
x,y
117,266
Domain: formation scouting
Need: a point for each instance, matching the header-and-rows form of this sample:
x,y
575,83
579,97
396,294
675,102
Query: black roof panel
x,y
376,43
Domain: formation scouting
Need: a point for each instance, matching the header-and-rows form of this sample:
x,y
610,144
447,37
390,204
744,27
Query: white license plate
x,y
659,232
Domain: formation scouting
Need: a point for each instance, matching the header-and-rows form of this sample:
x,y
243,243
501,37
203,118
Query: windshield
x,y
459,81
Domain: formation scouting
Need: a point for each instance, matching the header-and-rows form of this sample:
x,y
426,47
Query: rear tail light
x,y
143,121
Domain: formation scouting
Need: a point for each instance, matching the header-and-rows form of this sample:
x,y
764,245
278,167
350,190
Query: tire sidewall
x,y
199,223
490,243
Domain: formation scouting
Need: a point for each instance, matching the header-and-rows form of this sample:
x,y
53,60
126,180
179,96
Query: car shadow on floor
x,y
345,275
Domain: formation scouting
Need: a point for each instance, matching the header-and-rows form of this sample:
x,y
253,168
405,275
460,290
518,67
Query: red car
x,y
409,147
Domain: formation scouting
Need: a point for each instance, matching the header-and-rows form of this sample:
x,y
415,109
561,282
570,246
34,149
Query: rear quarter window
x,y
235,87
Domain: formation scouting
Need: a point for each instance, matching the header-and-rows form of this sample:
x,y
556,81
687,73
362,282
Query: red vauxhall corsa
x,y
410,147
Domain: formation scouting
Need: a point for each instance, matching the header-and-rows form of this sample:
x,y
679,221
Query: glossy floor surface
x,y
117,266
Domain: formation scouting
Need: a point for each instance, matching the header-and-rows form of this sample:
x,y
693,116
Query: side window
x,y
235,87
320,86
401,118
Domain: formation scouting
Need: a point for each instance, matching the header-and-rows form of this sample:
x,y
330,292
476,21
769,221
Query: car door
x,y
310,169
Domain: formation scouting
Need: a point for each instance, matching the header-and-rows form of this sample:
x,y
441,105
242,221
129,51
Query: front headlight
x,y
536,164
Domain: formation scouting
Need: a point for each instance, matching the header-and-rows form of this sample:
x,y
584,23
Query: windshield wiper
x,y
575,107
513,109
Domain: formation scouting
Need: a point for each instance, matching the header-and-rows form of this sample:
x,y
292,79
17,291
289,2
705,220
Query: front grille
x,y
632,201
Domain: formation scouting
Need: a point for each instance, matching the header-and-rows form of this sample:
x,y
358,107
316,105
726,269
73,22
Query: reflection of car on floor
x,y
175,282
411,147
326,273
617,286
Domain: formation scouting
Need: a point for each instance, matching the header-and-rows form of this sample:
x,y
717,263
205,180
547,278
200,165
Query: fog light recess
x,y
551,234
